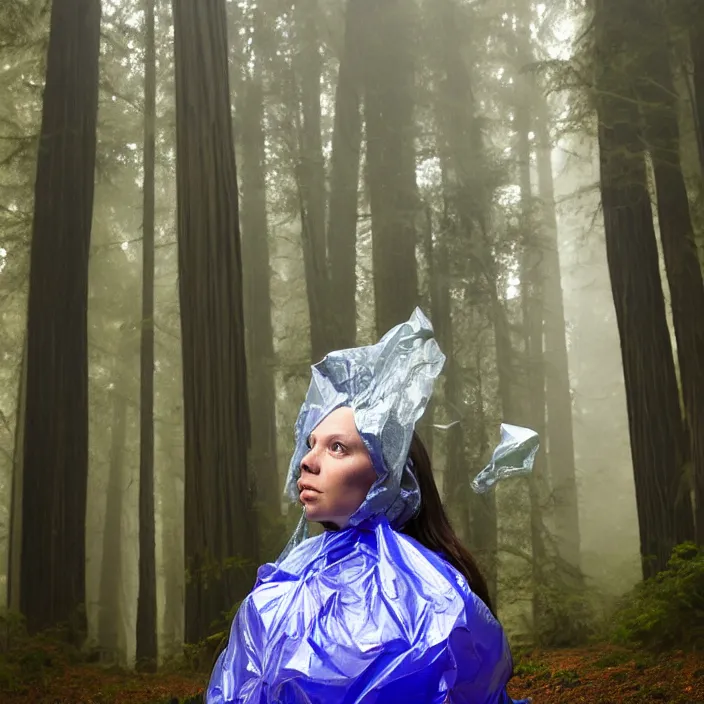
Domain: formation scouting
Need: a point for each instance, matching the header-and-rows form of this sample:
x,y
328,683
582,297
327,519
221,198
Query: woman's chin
x,y
315,516
326,521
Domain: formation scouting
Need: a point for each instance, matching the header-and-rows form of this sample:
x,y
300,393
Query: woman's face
x,y
337,472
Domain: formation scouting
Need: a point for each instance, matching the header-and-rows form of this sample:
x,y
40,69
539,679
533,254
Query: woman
x,y
385,605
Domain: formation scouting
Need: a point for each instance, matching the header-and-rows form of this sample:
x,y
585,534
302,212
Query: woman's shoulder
x,y
440,562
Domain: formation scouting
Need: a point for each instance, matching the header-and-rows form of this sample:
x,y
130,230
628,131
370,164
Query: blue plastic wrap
x,y
387,385
365,615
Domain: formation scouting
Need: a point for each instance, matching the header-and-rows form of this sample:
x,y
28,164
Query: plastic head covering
x,y
513,457
387,386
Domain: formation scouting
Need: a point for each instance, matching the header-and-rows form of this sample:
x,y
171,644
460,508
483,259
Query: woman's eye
x,y
337,447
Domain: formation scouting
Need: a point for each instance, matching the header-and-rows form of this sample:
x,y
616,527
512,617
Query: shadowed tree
x,y
696,42
110,616
657,435
56,412
344,181
307,70
656,89
389,75
255,256
146,654
557,381
220,535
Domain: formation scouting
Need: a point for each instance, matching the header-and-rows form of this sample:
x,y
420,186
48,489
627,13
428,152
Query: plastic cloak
x,y
366,615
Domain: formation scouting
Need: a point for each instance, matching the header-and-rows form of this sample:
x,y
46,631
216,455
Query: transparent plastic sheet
x,y
365,615
514,456
387,385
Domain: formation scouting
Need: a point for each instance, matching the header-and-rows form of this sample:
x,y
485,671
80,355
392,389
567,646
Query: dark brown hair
x,y
431,526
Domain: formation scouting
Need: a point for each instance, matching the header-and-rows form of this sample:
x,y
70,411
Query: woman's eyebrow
x,y
347,439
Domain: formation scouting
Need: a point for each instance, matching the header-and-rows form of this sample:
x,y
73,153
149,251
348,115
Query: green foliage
x,y
26,660
201,656
566,678
667,610
614,658
567,611
532,670
212,569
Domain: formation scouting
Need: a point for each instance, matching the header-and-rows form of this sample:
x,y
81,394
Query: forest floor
x,y
603,674
598,674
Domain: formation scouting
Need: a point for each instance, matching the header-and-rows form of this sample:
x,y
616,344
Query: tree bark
x,y
172,543
110,636
659,99
532,304
557,381
257,304
655,421
220,535
389,75
461,151
456,477
56,418
696,41
146,654
344,183
14,540
532,275
310,172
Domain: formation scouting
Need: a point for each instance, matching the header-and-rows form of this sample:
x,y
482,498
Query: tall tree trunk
x,y
220,540
14,540
171,503
257,302
484,521
684,275
310,173
110,636
146,654
533,304
389,74
557,381
462,157
655,422
456,477
344,183
431,303
696,41
56,417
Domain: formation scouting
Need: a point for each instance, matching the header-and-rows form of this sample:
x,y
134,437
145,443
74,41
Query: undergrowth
x,y
666,611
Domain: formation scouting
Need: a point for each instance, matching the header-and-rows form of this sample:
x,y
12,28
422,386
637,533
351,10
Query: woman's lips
x,y
308,494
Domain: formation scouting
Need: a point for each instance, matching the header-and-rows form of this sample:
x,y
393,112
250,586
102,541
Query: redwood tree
x,y
56,412
696,41
558,396
655,86
146,602
257,275
220,535
344,181
310,173
389,75
466,206
655,423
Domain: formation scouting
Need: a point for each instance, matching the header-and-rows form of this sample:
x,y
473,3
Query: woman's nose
x,y
309,463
